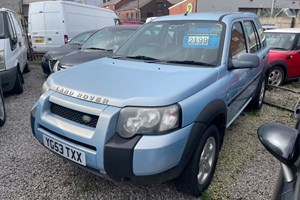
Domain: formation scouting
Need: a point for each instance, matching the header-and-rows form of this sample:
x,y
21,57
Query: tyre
x,y
257,102
276,76
198,173
26,68
18,88
2,110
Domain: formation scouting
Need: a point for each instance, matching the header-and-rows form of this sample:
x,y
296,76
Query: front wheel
x,y
276,76
18,88
198,173
26,68
2,109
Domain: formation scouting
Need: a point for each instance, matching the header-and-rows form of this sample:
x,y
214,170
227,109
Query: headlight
x,y
56,66
2,61
143,120
45,87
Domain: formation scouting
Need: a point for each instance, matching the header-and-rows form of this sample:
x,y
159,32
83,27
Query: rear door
x,y
46,27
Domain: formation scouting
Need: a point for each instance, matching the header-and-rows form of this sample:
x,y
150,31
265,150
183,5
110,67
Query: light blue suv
x,y
158,109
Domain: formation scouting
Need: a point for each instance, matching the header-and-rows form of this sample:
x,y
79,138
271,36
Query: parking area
x,y
28,171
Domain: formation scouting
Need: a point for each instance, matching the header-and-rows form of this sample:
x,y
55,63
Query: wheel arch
x,y
281,64
215,113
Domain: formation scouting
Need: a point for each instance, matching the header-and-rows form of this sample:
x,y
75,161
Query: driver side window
x,y
238,42
12,32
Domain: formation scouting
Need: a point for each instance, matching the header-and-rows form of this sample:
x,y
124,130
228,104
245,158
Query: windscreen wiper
x,y
190,62
95,48
146,58
141,57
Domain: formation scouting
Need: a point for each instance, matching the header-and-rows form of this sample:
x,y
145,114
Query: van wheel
x,y
18,88
26,68
2,110
257,101
198,173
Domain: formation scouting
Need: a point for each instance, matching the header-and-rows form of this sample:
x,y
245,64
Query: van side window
x,y
252,36
2,32
238,42
12,31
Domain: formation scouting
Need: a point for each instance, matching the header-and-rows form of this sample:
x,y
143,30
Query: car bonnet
x,y
122,82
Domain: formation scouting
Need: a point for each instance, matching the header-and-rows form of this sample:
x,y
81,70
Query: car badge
x,y
86,119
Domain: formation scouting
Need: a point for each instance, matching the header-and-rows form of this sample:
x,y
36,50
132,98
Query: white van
x,y
13,51
52,23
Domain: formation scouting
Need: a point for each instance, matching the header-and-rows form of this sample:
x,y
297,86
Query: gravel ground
x,y
28,171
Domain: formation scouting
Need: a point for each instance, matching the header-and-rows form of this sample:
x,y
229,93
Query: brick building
x,y
139,10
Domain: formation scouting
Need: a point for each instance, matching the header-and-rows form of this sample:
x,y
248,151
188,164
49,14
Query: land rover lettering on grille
x,y
83,96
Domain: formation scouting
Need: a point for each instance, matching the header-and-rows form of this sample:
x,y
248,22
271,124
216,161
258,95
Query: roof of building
x,y
112,2
173,2
134,3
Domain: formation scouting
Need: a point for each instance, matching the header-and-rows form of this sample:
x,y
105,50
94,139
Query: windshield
x,y
183,42
2,33
281,41
81,38
108,39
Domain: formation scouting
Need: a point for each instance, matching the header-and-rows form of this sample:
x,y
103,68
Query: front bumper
x,y
141,159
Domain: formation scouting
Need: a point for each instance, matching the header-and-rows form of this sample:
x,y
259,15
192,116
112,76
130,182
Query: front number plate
x,y
65,150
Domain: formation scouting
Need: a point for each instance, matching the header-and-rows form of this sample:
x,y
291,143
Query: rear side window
x,y
252,35
261,33
238,42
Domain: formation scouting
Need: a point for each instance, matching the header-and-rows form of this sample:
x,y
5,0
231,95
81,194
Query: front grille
x,y
75,116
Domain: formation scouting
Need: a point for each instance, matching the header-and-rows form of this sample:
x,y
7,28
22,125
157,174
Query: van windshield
x,y
197,43
2,33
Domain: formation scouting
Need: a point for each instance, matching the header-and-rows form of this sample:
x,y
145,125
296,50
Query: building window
x,y
149,14
159,6
127,15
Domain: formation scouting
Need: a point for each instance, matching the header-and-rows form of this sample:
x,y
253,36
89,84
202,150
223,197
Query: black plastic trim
x,y
118,158
32,119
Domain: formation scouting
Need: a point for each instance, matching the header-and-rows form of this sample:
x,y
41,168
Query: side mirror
x,y
281,141
245,60
14,40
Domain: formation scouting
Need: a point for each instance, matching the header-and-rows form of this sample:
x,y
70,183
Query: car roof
x,y
284,30
216,16
122,27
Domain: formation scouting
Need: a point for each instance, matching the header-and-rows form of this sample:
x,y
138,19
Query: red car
x,y
284,58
